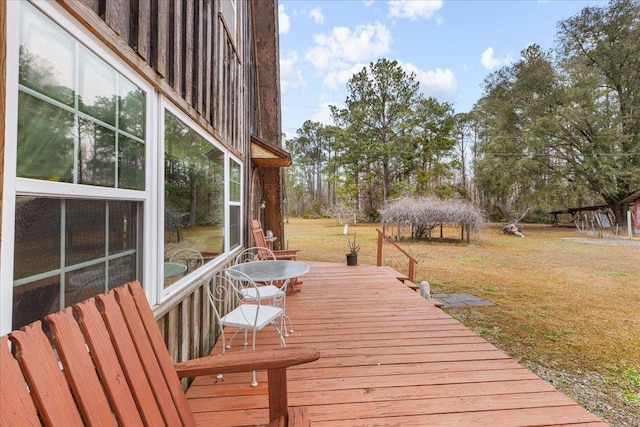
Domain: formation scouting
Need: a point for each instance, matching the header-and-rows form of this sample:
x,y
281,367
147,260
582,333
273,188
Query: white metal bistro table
x,y
268,271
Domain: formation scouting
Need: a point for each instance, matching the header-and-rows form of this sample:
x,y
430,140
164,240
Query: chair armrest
x,y
275,361
244,361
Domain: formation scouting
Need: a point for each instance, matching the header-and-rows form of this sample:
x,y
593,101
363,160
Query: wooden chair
x,y
261,243
114,368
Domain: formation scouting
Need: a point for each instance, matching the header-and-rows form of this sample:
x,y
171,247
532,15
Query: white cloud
x,y
438,80
413,9
283,20
290,74
368,3
338,78
489,61
433,82
344,46
317,16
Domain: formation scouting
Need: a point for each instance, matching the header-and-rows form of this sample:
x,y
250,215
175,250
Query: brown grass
x,y
568,310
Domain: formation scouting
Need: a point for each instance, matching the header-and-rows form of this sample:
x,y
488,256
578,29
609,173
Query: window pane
x,y
85,283
97,155
234,181
122,227
90,281
131,108
85,230
80,120
194,191
46,56
234,226
37,238
130,164
229,14
94,259
121,271
96,87
34,301
45,140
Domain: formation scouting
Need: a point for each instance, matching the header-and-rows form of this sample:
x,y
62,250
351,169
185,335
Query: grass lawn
x,y
567,309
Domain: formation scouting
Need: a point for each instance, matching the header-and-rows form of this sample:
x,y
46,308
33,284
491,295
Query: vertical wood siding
x,y
189,327
186,44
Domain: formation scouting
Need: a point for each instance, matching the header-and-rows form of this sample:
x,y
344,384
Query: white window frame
x,y
175,288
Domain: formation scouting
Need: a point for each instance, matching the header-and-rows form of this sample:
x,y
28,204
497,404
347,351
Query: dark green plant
x,y
354,247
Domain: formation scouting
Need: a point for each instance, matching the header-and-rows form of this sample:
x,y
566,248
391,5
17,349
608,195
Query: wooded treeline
x,y
554,129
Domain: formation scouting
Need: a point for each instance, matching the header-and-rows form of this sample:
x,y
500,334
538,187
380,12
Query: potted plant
x,y
354,247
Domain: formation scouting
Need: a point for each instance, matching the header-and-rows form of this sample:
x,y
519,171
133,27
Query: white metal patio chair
x,y
191,258
238,304
254,253
273,291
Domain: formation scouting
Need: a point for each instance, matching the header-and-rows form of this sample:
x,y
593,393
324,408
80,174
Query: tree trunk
x,y
193,211
619,210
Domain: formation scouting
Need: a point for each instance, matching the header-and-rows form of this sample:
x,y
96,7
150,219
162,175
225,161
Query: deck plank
x,y
388,358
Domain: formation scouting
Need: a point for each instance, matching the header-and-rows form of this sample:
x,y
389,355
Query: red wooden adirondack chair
x,y
114,367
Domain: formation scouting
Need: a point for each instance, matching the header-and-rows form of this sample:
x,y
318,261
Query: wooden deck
x,y
388,358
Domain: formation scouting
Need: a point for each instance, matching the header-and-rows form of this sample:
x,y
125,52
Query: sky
x,y
450,45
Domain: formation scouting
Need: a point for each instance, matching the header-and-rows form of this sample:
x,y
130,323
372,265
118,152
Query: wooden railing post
x,y
412,260
379,259
412,263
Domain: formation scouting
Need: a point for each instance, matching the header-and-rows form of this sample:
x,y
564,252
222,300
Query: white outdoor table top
x,y
263,271
173,269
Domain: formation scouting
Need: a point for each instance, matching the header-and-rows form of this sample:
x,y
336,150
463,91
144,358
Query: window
x,y
81,124
80,121
67,250
194,200
230,16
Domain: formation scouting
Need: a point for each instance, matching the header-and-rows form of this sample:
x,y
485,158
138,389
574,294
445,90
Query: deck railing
x,y
384,238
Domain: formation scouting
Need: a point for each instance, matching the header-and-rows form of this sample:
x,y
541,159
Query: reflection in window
x,y
97,155
67,250
234,181
193,191
46,56
97,87
45,141
79,118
